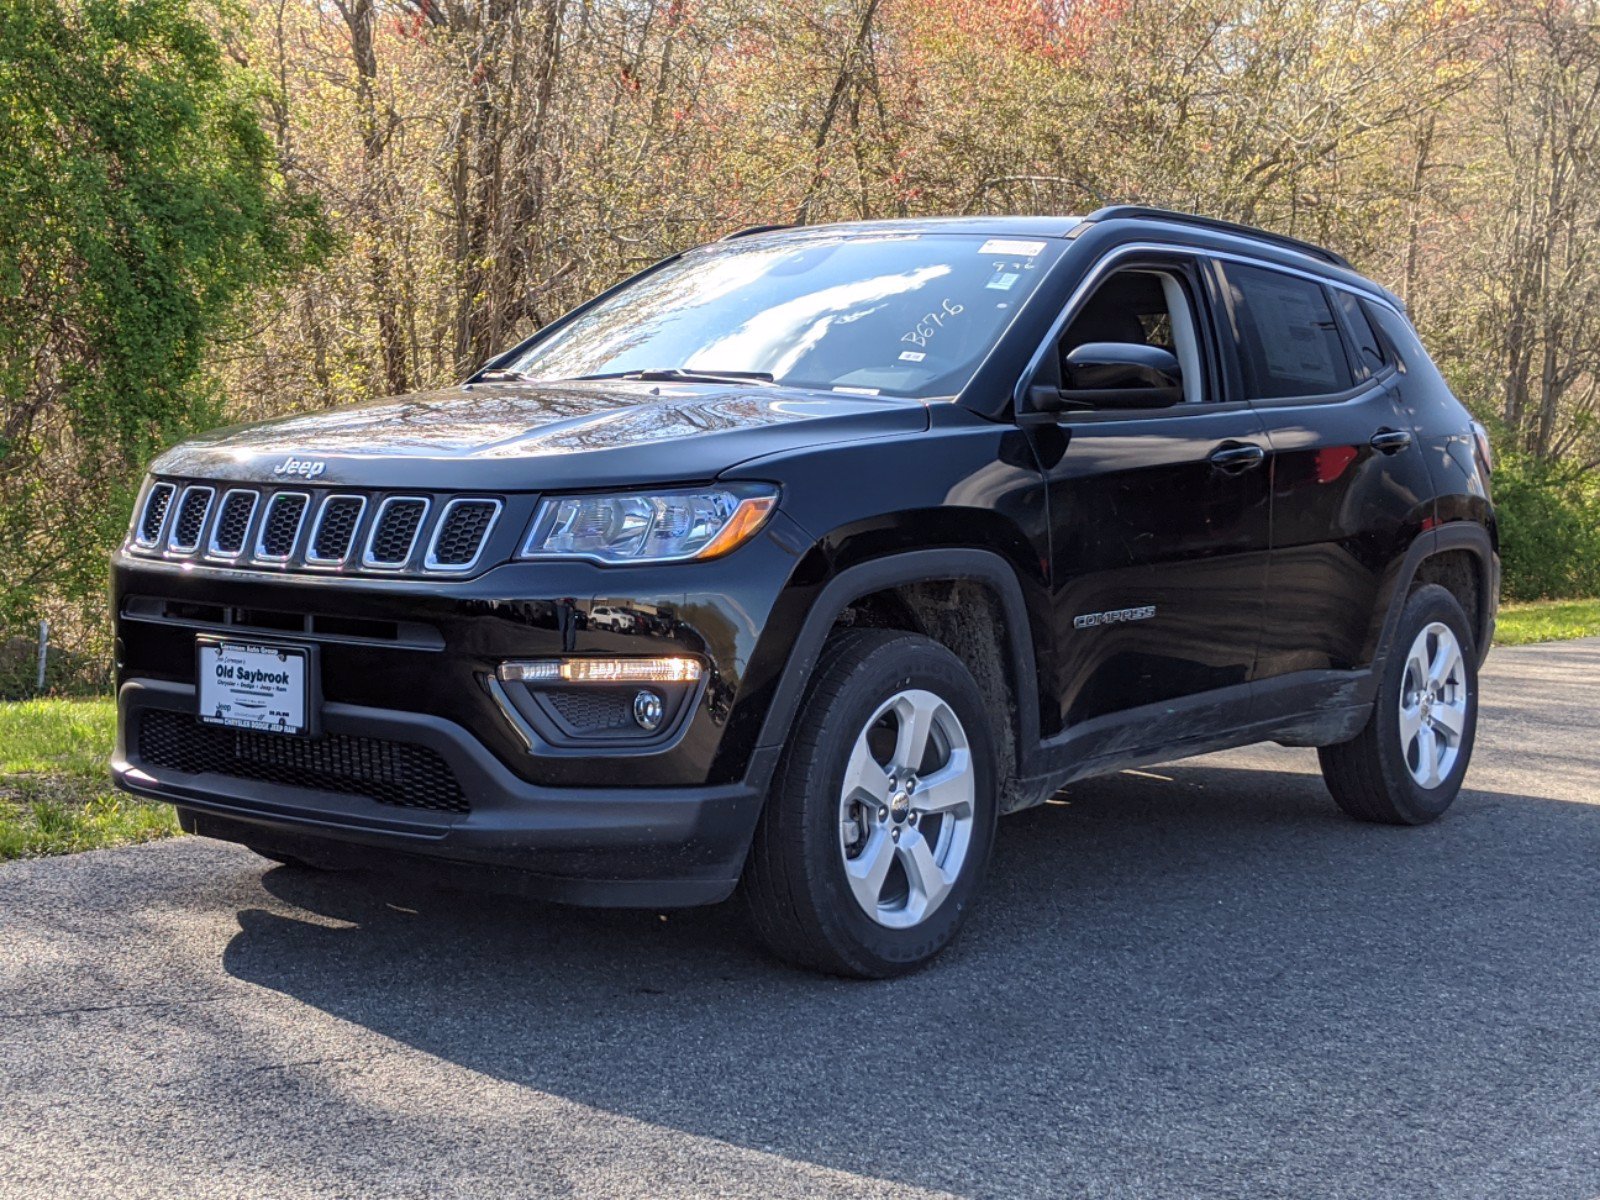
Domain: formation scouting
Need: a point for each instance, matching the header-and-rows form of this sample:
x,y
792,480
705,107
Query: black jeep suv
x,y
794,561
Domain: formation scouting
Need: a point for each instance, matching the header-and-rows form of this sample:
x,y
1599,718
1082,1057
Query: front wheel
x,y
878,830
1406,766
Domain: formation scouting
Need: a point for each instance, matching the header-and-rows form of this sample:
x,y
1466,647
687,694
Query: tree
x,y
142,202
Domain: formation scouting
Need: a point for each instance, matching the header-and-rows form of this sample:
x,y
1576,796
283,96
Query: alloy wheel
x,y
1433,705
906,808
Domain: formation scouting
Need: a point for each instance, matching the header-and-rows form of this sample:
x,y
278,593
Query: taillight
x,y
1482,434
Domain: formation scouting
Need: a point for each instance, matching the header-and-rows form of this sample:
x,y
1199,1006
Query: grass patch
x,y
1547,621
55,784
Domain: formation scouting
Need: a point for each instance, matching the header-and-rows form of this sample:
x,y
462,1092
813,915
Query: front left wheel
x,y
877,833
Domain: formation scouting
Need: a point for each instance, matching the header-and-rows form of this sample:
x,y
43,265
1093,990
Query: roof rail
x,y
739,233
1114,211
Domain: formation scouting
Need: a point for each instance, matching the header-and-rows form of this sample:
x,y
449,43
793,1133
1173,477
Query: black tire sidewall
x,y
1412,801
895,665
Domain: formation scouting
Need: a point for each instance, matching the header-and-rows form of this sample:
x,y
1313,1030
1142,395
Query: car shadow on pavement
x,y
1197,978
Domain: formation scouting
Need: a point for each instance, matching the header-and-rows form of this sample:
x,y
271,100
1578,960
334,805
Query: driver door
x,y
1159,517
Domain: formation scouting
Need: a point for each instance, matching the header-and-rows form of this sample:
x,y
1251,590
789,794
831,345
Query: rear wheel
x,y
1406,766
878,830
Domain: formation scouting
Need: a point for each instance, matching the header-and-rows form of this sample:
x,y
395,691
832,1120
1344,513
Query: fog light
x,y
648,711
603,670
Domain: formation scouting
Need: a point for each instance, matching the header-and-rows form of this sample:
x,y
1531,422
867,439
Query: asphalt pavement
x,y
1196,980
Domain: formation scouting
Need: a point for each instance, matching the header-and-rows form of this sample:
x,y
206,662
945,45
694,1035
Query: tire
x,y
917,854
1383,774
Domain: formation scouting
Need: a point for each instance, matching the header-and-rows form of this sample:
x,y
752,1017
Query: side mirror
x,y
1122,375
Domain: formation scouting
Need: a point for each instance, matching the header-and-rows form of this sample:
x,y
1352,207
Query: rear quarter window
x,y
1370,358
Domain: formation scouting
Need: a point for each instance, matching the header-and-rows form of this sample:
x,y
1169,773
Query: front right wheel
x,y
877,832
1406,766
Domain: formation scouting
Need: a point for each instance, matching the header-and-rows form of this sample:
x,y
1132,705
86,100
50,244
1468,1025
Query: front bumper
x,y
646,847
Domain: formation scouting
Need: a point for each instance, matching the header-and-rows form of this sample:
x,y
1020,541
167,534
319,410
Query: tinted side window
x,y
1289,343
1369,349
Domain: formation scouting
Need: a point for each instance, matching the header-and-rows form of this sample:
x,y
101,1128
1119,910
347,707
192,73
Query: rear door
x,y
1159,518
1349,485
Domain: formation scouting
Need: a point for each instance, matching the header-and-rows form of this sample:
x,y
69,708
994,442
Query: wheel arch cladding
x,y
967,600
1459,553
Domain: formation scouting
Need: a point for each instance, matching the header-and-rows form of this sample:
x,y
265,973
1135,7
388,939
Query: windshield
x,y
902,314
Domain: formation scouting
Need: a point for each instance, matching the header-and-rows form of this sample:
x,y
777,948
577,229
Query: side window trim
x,y
1194,263
1236,336
1213,259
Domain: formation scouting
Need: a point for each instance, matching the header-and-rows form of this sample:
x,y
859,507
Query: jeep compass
x,y
790,564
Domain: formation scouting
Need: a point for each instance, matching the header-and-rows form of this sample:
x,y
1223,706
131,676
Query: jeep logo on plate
x,y
305,468
1115,616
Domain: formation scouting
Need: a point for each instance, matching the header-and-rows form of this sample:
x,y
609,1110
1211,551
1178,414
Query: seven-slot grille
x,y
292,529
155,514
460,538
233,522
394,535
335,529
280,528
192,512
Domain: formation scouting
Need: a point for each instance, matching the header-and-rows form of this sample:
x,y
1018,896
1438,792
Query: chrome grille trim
x,y
278,498
431,562
312,557
160,495
213,549
238,524
376,531
180,514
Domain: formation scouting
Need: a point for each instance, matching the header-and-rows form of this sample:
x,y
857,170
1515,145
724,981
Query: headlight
x,y
637,527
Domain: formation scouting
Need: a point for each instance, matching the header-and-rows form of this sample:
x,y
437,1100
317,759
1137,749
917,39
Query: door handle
x,y
1391,441
1237,457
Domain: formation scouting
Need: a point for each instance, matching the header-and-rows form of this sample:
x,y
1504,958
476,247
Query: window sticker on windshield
x,y
1010,246
855,391
912,356
1003,281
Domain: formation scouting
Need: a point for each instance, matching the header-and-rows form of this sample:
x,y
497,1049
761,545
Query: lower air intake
x,y
400,774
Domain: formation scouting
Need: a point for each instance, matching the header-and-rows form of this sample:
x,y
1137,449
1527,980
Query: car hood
x,y
535,437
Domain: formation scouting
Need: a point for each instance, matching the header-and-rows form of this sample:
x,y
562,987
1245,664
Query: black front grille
x,y
191,520
336,527
396,533
282,526
155,512
233,522
395,773
300,526
462,531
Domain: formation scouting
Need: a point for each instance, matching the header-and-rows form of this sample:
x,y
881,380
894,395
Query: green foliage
x,y
143,203
55,785
1549,517
1547,621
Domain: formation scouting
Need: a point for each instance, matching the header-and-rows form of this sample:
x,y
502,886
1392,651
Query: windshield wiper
x,y
503,375
685,375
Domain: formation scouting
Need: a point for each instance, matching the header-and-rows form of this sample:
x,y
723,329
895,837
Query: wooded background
x,y
225,211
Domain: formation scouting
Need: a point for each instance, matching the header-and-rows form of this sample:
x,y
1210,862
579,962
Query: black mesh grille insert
x,y
593,712
192,511
395,773
282,525
335,528
462,532
396,532
233,522
155,512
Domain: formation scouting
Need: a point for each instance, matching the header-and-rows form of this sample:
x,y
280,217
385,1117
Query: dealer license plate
x,y
249,686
